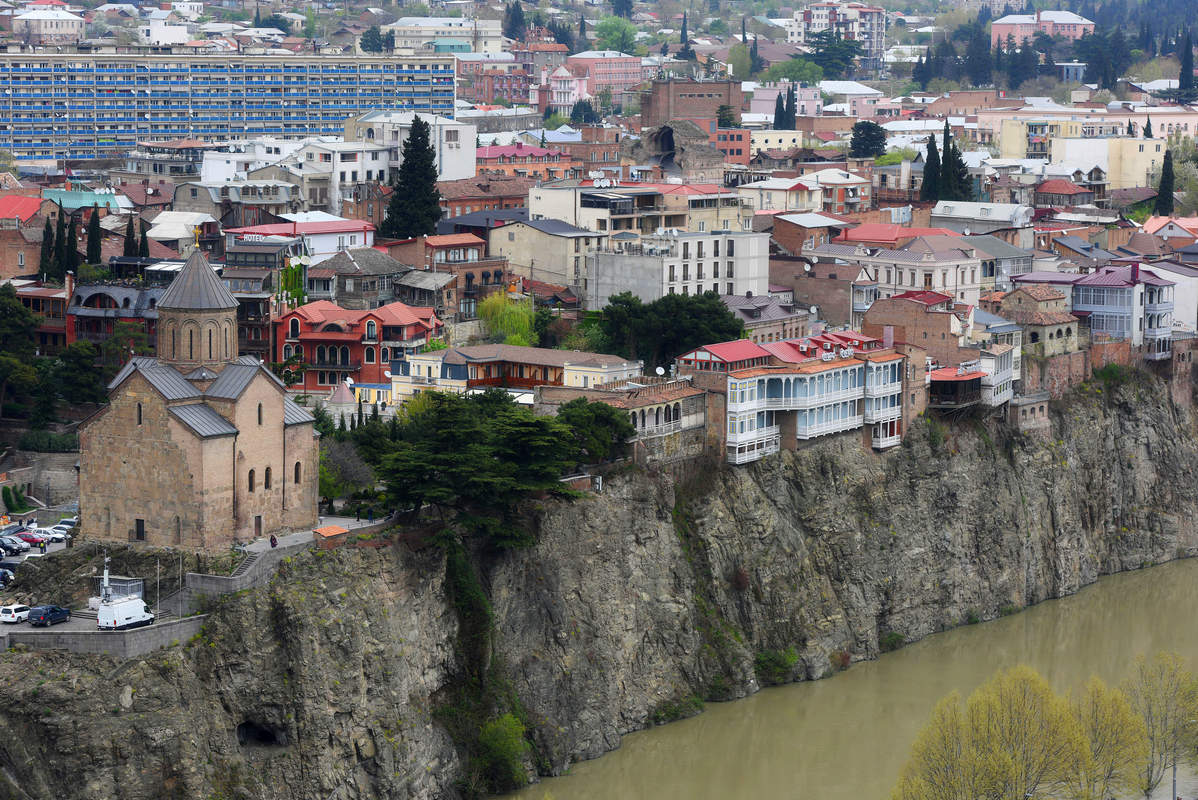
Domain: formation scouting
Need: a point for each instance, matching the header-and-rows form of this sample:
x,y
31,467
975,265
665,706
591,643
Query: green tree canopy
x,y
615,33
372,40
1163,206
415,204
835,56
660,331
796,69
600,431
78,373
869,139
94,238
929,191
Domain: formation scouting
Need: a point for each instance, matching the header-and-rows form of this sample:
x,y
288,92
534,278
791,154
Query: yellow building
x,y
1128,161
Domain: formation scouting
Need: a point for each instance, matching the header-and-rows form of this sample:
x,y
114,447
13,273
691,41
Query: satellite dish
x,y
660,371
806,268
349,381
814,309
387,373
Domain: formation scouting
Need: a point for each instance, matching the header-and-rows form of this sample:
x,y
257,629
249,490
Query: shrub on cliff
x,y
502,748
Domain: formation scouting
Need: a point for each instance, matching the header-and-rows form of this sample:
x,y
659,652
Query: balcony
x,y
1165,307
649,431
884,442
750,437
883,389
883,414
338,366
832,426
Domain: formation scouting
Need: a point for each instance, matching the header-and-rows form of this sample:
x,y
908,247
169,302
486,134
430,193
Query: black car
x,y
48,615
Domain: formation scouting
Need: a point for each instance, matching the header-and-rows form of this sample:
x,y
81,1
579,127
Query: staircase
x,y
246,565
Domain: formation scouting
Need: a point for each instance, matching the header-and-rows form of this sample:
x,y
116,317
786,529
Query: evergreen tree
x,y
621,8
961,179
790,107
143,247
756,64
582,30
130,249
72,249
869,140
779,113
1185,77
45,264
921,73
514,25
1164,190
948,175
93,237
930,191
1148,128
415,204
372,40
1131,129
686,52
977,57
60,244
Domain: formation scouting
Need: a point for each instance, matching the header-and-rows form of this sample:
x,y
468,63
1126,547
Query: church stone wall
x,y
130,471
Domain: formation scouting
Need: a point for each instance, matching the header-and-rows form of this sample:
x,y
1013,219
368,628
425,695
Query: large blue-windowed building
x,y
84,105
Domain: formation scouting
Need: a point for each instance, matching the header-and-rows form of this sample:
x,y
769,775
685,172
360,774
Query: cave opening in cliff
x,y
255,733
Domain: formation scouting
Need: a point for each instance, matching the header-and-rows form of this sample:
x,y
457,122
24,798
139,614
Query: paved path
x,y
262,545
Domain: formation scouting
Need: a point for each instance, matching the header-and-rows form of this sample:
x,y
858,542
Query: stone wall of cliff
x,y
335,681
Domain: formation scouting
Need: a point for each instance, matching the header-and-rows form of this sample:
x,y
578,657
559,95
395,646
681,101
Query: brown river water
x,y
847,737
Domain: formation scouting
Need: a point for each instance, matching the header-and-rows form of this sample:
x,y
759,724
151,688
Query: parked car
x,y
20,544
71,521
63,529
7,576
49,534
48,615
16,613
10,547
30,537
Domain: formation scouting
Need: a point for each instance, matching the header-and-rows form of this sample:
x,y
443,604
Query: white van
x,y
123,614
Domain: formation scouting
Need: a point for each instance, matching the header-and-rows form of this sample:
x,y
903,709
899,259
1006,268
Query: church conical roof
x,y
196,287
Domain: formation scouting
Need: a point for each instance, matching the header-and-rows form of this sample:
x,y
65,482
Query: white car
x,y
49,534
14,613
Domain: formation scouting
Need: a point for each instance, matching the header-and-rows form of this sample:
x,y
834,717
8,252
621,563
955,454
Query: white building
x,y
679,263
415,35
319,240
452,141
157,32
245,156
849,20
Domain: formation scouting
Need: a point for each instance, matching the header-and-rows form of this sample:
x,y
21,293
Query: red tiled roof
x,y
452,239
888,232
508,150
925,297
321,312
738,350
14,206
1060,186
1120,276
954,374
293,228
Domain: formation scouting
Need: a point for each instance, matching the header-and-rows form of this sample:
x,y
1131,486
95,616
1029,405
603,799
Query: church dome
x,y
197,288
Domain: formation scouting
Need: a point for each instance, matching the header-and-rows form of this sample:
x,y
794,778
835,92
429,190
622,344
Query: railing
x,y
659,430
883,389
750,437
997,398
334,365
832,426
1158,308
884,414
756,454
883,442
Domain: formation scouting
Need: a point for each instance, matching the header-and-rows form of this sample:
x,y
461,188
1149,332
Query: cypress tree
x,y
1185,77
582,30
143,247
1163,207
790,107
60,243
1131,131
1148,128
93,237
779,114
415,204
930,191
948,172
72,249
45,264
130,250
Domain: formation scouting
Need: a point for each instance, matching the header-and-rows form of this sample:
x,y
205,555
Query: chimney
x,y
1135,272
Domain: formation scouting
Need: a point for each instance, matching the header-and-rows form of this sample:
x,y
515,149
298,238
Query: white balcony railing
x,y
749,437
834,426
883,414
658,430
883,389
744,454
883,442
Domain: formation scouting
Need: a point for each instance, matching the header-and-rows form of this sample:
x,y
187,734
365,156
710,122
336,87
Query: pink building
x,y
808,100
560,90
608,69
1024,26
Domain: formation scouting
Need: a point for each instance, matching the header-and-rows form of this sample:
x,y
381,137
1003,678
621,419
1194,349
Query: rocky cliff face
x,y
633,604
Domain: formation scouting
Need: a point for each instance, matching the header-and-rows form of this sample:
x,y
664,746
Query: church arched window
x,y
250,481
139,413
266,479
260,422
297,472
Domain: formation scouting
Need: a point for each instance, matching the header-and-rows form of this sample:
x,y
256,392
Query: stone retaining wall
x,y
119,644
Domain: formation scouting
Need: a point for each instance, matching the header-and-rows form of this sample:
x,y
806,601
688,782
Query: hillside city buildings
x,y
243,180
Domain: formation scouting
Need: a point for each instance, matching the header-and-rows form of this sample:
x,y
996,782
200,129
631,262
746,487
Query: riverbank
x,y
636,606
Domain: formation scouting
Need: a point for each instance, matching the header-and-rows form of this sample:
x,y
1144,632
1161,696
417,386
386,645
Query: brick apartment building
x,y
673,98
483,193
526,161
598,151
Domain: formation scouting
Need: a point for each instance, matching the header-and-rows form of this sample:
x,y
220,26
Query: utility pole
x,y
158,586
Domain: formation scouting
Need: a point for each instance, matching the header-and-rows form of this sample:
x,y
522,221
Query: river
x,y
847,737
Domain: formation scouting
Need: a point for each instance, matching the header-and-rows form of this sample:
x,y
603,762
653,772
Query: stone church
x,y
197,448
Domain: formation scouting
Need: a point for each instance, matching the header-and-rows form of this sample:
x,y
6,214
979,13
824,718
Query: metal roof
x,y
203,421
232,381
197,287
166,380
295,414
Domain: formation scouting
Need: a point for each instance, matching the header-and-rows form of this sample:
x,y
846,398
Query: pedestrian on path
x,y
274,541
359,517
42,546
372,515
